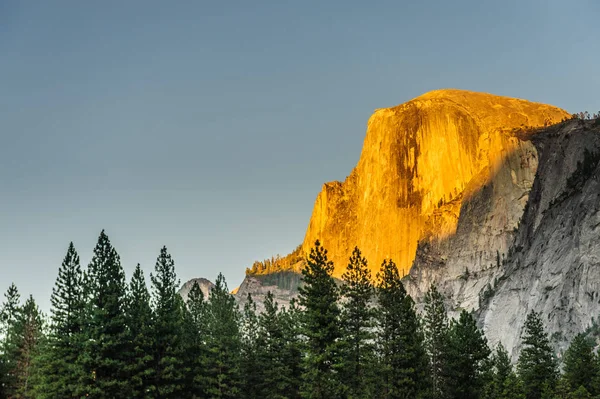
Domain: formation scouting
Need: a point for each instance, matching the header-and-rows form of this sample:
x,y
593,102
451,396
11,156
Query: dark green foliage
x,y
62,371
504,383
106,337
465,359
537,367
584,170
251,355
320,322
167,329
8,316
23,338
223,343
278,352
580,364
436,339
195,348
357,321
139,318
404,365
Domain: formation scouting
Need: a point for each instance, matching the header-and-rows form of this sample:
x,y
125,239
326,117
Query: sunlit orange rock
x,y
419,162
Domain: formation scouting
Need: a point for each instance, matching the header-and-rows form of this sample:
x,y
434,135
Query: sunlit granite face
x,y
418,160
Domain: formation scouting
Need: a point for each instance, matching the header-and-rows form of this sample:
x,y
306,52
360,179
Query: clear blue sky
x,y
210,126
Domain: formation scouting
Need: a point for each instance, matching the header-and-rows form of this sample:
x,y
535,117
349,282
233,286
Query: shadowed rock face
x,y
418,164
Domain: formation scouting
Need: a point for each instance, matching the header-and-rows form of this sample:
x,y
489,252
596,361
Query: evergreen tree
x,y
357,320
580,364
466,358
580,393
290,378
436,339
536,366
24,337
106,337
195,346
404,363
279,366
61,372
319,297
9,314
250,355
139,321
167,329
504,383
223,341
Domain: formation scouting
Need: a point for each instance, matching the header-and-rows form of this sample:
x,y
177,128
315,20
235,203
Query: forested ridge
x,y
107,337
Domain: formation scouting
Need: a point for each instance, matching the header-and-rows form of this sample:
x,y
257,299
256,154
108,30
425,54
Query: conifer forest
x,y
111,337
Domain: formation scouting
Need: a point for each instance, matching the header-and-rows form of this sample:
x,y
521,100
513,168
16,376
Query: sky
x,y
210,126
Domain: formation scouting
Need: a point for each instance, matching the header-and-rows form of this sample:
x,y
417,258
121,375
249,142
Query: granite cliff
x,y
494,199
419,162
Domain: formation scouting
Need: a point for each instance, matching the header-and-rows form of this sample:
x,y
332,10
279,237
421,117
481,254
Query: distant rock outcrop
x,y
205,287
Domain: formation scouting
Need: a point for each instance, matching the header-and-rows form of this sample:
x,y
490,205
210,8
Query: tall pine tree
x,y
25,336
61,372
466,359
9,314
139,321
223,342
195,342
537,366
168,329
580,364
357,321
319,297
279,365
251,352
106,337
404,367
504,383
436,339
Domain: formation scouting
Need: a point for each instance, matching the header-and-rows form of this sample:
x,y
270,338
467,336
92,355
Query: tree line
x,y
106,338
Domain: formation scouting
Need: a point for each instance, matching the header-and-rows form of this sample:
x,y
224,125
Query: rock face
x,y
420,160
205,287
283,286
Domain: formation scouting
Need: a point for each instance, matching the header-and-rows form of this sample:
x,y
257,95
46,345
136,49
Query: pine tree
x,y
580,364
466,358
404,364
357,321
60,370
168,329
9,314
251,374
504,383
319,297
290,378
436,339
139,321
106,336
195,346
536,366
224,344
279,366
27,333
